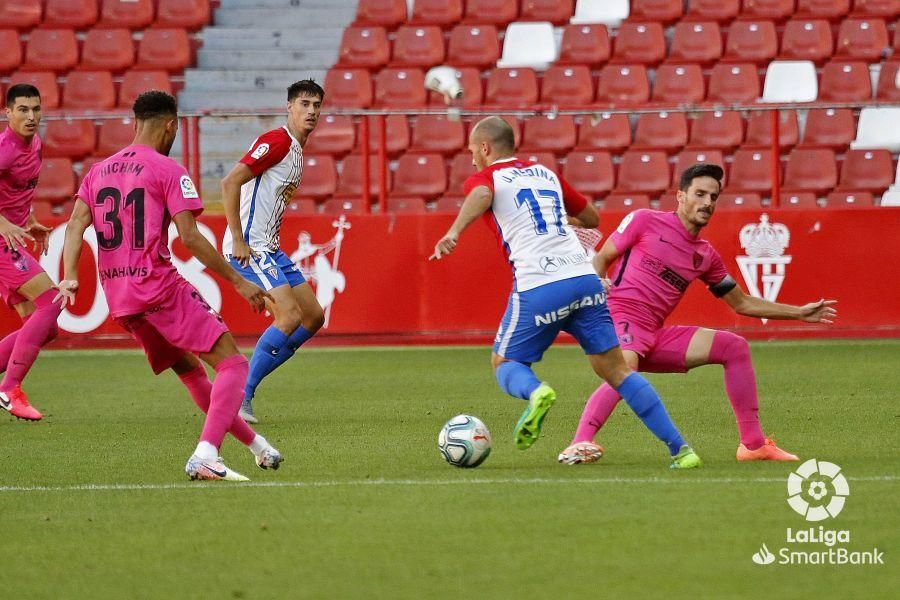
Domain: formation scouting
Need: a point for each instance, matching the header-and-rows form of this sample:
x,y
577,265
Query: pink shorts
x,y
17,267
662,351
184,322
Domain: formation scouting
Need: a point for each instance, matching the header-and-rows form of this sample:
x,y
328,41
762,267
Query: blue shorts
x,y
535,317
269,270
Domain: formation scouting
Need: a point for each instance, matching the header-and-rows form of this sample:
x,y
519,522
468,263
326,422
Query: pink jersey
x,y
659,259
20,165
133,195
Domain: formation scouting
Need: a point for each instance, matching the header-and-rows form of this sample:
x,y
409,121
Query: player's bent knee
x,y
313,320
730,346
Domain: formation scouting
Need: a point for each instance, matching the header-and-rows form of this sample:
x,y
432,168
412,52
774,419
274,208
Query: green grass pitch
x,y
94,502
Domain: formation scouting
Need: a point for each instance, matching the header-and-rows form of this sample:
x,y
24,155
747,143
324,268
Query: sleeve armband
x,y
723,287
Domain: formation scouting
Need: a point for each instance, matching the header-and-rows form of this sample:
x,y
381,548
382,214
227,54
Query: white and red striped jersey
x,y
276,161
528,214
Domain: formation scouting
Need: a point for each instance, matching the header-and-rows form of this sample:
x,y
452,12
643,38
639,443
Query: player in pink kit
x,y
661,254
132,197
23,283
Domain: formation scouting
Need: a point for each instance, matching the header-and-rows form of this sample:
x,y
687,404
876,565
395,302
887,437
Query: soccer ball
x,y
464,441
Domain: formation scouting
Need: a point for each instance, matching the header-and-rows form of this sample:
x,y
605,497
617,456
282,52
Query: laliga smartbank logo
x,y
817,491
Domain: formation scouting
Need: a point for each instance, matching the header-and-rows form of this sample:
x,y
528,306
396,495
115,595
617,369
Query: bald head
x,y
496,132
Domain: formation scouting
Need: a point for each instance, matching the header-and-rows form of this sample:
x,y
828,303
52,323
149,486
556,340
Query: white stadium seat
x,y
529,45
791,81
878,129
609,12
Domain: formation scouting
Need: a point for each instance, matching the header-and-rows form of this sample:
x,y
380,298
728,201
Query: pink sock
x,y
733,352
597,410
6,348
38,330
225,398
200,389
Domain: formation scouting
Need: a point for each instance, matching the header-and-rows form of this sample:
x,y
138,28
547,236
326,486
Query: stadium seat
x,y
345,205
444,13
334,135
134,83
512,87
840,199
89,90
114,135
10,50
89,162
554,11
759,129
830,128
661,131
863,39
531,45
71,14
406,204
301,206
679,84
608,12
396,138
643,172
733,83
473,46
567,86
21,14
547,159
696,42
449,204
549,134
461,168
418,47
807,39
751,171
721,11
884,9
668,202
42,80
867,170
499,13
185,14
591,173
662,11
686,158
319,177
349,88
810,170
421,175
69,138
437,133
731,200
718,129
56,183
107,50
164,50
51,50
619,202
133,14
887,89
878,128
384,13
845,82
584,45
833,10
803,200
350,179
751,41
364,48
473,89
773,10
639,43
604,131
620,84
790,81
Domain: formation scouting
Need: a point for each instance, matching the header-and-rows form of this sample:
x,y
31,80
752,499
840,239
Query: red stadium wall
x,y
385,289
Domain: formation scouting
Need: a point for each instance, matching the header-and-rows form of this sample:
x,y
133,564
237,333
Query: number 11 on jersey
x,y
527,197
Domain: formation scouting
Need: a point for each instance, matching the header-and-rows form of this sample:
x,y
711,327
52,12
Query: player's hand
x,y
240,251
65,294
41,235
445,246
818,312
253,294
14,235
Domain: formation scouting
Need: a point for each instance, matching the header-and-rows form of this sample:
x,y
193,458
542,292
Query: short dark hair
x,y
21,90
154,104
305,87
700,170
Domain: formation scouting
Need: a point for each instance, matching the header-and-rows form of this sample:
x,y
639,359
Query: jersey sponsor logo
x,y
552,264
656,266
260,151
187,188
564,311
625,223
764,264
313,262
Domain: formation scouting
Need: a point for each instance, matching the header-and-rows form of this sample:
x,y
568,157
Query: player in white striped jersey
x,y
255,194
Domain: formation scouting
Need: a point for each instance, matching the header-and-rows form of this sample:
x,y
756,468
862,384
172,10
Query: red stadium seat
x,y
687,158
679,84
473,46
887,89
69,139
643,172
849,200
619,202
473,89
421,175
751,171
640,43
810,170
591,173
449,204
20,14
107,50
867,171
43,81
349,88
350,181
547,159
89,162
406,204
584,45
114,135
733,83
396,140
133,14
164,50
461,168
731,200
400,87
718,129
51,50
444,13
773,10
10,50
555,135
319,177
833,10
699,42
567,85
806,39
344,205
605,132
759,129
663,11
621,84
135,83
89,90
364,47
667,131
845,82
751,41
334,135
72,14
831,128
302,206
557,12
56,183
668,202
803,200
185,14
863,39
512,87
437,133
384,13
499,13
884,9
418,46
721,11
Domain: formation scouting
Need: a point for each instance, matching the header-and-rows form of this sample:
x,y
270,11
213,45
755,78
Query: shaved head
x,y
496,132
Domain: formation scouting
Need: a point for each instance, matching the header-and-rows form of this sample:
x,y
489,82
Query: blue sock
x,y
265,358
296,339
645,402
517,379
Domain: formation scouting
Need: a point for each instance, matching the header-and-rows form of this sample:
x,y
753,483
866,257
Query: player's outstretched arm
x,y
602,261
587,218
476,203
822,311
231,200
78,223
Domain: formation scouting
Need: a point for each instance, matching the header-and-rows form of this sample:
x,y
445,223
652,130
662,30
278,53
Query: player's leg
x,y
312,317
24,308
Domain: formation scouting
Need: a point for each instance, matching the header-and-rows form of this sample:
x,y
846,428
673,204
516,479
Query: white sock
x,y
258,444
206,451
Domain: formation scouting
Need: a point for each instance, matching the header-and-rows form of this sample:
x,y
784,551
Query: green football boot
x,y
685,459
528,429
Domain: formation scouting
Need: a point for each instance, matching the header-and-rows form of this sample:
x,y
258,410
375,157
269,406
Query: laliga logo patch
x,y
260,151
817,490
187,188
